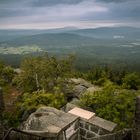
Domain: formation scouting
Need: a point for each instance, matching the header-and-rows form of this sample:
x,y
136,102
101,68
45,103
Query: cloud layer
x,y
38,3
60,13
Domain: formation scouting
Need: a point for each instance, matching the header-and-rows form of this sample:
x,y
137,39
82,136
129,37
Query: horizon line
x,y
67,27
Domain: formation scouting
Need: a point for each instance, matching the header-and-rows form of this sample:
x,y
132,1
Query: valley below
x,y
101,46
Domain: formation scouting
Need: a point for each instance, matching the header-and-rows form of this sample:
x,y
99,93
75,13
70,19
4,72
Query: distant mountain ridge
x,y
52,39
90,46
102,32
109,32
9,34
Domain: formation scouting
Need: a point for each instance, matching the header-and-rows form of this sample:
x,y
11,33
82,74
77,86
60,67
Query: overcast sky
x,y
44,14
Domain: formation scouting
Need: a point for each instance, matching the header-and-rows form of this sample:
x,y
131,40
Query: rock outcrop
x,y
82,82
48,122
81,86
53,124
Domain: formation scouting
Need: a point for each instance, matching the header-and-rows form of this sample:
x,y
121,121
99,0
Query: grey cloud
x,y
129,10
39,3
8,13
14,8
113,1
46,11
13,4
9,3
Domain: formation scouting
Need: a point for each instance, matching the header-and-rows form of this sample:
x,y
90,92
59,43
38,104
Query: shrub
x,y
35,100
131,81
112,104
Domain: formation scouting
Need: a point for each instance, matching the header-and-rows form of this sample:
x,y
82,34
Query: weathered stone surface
x,y
82,82
102,123
26,114
68,107
76,125
90,134
48,121
74,137
81,86
82,132
82,124
75,101
82,138
72,129
93,89
95,125
78,90
87,126
94,128
60,136
17,70
102,131
20,136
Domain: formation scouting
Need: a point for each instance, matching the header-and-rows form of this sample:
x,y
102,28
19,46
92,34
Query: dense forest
x,y
45,80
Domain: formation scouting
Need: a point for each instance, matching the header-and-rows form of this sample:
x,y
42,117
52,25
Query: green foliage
x,y
99,76
131,81
10,119
35,100
1,66
112,104
44,81
2,82
96,76
6,74
44,73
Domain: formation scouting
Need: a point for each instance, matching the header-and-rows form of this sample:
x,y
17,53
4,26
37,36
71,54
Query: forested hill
x,y
110,32
100,46
51,39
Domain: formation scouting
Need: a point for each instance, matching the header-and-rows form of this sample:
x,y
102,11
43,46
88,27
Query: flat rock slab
x,y
90,117
93,89
82,82
102,123
82,113
48,120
